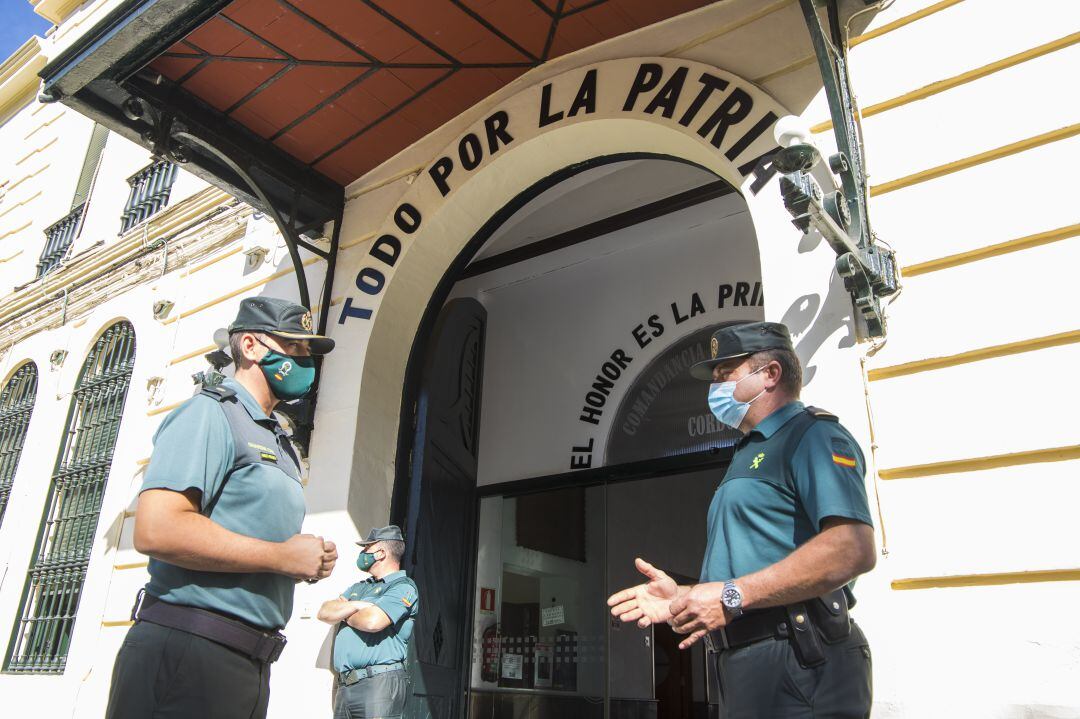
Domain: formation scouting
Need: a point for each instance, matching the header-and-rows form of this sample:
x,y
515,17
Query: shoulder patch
x,y
218,392
842,453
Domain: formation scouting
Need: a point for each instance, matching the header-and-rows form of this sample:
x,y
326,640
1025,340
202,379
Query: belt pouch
x,y
830,615
804,639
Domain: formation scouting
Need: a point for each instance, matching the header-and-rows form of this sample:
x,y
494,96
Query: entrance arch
x,y
798,272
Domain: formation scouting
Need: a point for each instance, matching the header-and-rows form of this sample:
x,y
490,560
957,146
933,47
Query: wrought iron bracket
x,y
869,270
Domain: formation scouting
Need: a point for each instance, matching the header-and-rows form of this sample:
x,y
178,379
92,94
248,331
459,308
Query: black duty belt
x,y
352,676
750,628
248,640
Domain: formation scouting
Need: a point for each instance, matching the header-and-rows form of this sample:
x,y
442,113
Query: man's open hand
x,y
647,603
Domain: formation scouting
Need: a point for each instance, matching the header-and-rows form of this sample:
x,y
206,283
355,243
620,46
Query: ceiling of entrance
x,y
343,85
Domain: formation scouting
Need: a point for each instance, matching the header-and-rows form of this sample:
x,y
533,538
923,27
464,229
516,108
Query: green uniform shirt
x,y
354,649
194,448
777,491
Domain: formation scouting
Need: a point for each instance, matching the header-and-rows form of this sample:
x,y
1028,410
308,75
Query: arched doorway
x,y
522,507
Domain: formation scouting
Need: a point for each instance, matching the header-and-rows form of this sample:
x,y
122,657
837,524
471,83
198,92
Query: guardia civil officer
x,y
375,618
219,515
788,530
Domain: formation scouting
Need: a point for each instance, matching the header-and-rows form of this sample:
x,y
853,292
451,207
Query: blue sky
x,y
17,23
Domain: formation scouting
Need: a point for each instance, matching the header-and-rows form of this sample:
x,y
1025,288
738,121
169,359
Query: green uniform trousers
x,y
765,681
167,673
378,697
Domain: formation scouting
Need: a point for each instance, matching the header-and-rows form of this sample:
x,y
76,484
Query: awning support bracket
x,y
868,269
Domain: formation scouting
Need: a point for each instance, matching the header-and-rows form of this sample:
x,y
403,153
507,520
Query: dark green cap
x,y
280,318
739,341
391,533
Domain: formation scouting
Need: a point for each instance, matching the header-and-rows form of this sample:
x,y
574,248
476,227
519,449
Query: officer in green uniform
x,y
375,620
220,515
789,529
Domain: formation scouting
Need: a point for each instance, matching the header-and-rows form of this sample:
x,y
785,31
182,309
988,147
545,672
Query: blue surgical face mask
x,y
723,404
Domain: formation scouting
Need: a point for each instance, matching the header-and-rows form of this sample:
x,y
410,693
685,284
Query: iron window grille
x,y
150,188
41,638
16,405
58,239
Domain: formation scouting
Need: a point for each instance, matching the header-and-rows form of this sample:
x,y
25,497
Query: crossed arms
x,y
361,616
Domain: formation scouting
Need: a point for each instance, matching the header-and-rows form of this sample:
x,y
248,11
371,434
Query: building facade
x,y
545,209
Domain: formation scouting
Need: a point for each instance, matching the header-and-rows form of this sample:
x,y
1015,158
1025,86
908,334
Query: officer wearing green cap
x,y
375,620
789,529
220,515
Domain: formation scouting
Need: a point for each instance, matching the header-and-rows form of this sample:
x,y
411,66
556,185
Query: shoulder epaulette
x,y
820,413
218,392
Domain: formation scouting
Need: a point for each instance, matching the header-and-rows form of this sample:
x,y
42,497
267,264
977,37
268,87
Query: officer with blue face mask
x,y
374,619
789,529
220,515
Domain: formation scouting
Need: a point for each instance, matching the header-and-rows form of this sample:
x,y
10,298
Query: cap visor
x,y
703,370
319,345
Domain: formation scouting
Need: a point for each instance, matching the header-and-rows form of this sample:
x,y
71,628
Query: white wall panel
x,y
1007,298
996,406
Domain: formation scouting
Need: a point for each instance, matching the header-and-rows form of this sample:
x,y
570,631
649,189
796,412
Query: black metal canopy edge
x,y
101,75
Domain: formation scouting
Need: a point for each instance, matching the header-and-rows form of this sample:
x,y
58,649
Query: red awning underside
x,y
342,85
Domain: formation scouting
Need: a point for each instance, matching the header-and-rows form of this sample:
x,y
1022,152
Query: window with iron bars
x,y
150,188
58,239
16,405
41,638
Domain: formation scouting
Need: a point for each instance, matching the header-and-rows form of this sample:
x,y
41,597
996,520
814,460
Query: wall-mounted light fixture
x,y
56,359
254,257
162,308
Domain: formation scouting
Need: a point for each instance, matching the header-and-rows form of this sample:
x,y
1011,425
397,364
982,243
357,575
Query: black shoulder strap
x,y
806,419
221,394
217,392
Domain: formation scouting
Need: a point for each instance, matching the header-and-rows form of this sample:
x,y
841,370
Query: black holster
x,y
821,619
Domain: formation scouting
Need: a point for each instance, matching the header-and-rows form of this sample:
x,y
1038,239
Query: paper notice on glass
x,y
550,616
511,666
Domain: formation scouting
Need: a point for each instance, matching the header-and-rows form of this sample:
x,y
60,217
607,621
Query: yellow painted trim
x,y
977,355
977,464
128,514
988,580
962,79
383,183
190,355
358,241
21,203
901,22
163,408
997,153
142,462
239,291
859,39
1001,248
29,175
731,27
36,150
11,257
20,228
131,565
42,125
213,260
118,623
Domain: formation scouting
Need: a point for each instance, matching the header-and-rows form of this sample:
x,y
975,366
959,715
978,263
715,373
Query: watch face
x,y
732,597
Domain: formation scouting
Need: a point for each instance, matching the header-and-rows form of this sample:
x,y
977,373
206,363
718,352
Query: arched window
x,y
16,404
54,582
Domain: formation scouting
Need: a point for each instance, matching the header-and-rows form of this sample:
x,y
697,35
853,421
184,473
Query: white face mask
x,y
723,404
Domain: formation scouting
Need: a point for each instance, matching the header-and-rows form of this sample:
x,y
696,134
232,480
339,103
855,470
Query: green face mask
x,y
289,377
366,561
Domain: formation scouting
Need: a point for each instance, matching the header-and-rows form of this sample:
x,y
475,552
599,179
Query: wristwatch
x,y
732,598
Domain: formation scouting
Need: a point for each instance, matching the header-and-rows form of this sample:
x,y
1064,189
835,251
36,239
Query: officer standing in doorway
x,y
375,618
219,514
789,529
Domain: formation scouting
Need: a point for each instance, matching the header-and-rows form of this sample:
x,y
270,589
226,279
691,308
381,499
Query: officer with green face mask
x,y
375,620
220,515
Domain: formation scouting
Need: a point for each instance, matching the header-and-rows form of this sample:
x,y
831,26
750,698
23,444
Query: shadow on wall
x,y
812,322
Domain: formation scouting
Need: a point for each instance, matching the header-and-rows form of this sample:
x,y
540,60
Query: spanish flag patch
x,y
842,454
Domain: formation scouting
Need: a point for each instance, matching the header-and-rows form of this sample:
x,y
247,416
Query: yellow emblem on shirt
x,y
757,460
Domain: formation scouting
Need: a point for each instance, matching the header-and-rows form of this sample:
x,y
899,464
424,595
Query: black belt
x,y
750,628
352,676
258,644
